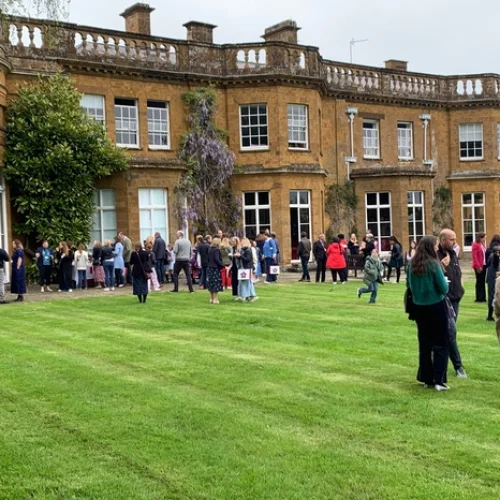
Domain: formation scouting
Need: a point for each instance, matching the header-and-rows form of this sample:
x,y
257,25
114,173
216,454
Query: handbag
x,y
244,274
274,270
409,304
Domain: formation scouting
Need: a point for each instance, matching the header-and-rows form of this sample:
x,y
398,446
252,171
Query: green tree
x,y
53,156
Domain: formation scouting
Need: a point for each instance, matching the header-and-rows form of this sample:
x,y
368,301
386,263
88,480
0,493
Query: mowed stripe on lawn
x,y
308,393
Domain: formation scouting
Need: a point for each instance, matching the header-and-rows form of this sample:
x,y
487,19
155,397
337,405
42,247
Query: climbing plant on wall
x,y
340,204
203,195
442,210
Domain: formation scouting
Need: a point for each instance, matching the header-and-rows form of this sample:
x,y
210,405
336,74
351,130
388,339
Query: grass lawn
x,y
307,394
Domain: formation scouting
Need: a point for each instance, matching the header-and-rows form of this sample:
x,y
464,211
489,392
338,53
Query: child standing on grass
x,y
170,263
374,271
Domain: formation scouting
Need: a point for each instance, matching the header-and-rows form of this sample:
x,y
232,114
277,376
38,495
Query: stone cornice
x,y
472,175
391,171
308,169
154,163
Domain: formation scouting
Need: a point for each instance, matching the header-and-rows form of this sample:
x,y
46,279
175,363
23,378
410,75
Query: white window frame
x,y
467,131
412,205
367,145
154,121
472,206
378,207
4,230
127,130
89,113
300,205
99,209
152,207
402,137
256,207
294,125
258,147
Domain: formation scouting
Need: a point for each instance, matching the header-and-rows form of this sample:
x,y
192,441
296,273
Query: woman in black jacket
x,y
492,259
235,244
65,270
397,259
213,276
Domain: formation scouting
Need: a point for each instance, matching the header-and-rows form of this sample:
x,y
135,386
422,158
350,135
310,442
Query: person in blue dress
x,y
18,282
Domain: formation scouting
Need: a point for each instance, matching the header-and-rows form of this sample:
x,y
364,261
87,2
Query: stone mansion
x,y
296,122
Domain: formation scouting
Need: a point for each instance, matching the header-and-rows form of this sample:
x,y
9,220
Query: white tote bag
x,y
274,270
244,274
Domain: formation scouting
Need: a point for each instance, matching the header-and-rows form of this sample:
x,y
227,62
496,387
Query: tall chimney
x,y
138,18
200,32
282,32
396,65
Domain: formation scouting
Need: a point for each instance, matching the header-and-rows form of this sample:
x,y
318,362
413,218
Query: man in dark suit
x,y
160,251
319,252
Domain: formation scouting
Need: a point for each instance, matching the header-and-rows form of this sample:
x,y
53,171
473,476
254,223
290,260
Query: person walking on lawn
x,y
203,250
304,253
452,271
374,270
397,259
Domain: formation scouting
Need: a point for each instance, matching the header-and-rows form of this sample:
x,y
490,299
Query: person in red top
x,y
479,266
336,261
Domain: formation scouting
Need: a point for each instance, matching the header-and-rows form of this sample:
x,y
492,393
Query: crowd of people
x,y
218,262
215,262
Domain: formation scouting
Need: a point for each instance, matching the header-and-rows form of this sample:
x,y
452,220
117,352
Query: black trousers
x,y
480,285
321,270
182,265
452,339
342,275
45,272
129,274
234,280
398,273
432,324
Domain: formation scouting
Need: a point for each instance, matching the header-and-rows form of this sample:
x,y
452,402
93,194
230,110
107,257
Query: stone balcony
x,y
71,45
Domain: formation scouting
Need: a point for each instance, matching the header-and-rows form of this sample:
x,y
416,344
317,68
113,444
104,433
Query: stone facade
x,y
389,131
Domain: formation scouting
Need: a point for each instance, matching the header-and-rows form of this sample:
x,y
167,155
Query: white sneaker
x,y
106,289
440,388
42,290
49,289
70,290
121,286
112,288
254,299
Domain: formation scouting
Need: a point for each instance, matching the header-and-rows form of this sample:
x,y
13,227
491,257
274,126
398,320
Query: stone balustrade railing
x,y
46,39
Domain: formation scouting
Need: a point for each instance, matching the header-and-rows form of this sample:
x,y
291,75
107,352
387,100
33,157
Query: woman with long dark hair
x,y
65,273
492,258
429,287
397,259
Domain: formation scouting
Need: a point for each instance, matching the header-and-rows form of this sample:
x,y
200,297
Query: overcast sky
x,y
435,36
